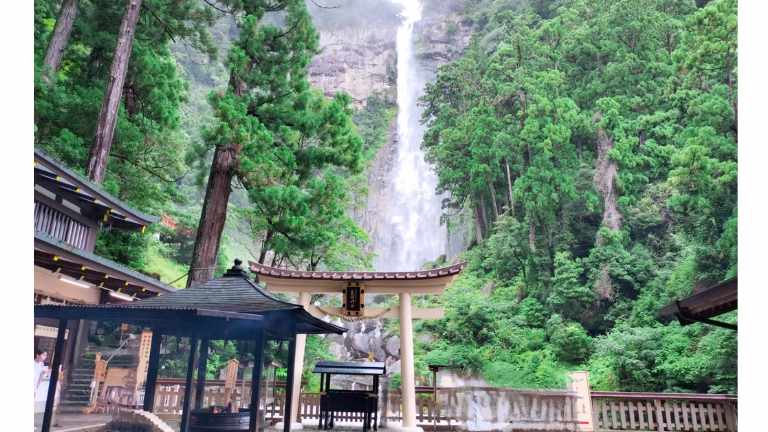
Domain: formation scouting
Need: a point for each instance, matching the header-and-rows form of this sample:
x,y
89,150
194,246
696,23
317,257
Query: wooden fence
x,y
619,411
169,396
523,409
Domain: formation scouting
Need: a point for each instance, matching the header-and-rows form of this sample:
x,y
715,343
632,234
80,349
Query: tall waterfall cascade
x,y
411,230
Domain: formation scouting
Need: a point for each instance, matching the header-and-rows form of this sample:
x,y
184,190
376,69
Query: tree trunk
x,y
511,197
214,214
484,216
493,201
480,223
606,171
105,128
59,39
531,235
265,246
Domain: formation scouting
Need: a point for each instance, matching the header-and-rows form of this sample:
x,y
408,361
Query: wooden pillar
x,y
58,352
152,369
202,367
258,364
188,385
289,385
408,389
298,368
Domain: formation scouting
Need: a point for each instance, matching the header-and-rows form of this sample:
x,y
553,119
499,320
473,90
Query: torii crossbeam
x,y
354,286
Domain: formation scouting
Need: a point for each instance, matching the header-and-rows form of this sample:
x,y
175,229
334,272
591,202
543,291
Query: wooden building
x,y
69,213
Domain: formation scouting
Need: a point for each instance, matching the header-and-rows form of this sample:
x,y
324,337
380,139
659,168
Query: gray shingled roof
x,y
94,189
233,292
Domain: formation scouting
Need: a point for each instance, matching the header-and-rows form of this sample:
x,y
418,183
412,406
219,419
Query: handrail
x,y
664,396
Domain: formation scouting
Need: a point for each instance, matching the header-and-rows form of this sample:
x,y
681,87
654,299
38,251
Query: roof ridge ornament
x,y
236,270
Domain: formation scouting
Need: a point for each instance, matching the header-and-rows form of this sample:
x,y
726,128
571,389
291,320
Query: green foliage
x,y
513,127
570,297
295,145
570,342
533,369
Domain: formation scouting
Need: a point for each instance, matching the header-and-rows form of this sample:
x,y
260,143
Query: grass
x,y
170,271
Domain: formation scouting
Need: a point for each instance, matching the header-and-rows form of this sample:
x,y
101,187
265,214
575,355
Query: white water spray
x,y
412,233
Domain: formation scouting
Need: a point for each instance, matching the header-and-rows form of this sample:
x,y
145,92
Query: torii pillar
x,y
298,368
407,373
354,286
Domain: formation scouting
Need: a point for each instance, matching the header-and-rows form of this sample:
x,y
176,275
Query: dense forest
x,y
594,142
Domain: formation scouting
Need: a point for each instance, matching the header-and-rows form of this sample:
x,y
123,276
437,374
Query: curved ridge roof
x,y
274,272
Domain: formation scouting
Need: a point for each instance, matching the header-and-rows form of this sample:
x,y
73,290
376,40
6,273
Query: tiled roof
x,y
261,269
76,262
231,293
82,189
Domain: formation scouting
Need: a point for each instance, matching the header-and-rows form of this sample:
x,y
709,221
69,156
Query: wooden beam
x,y
152,369
188,385
289,385
258,364
55,364
202,365
391,312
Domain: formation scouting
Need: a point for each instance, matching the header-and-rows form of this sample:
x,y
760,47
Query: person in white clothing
x,y
40,368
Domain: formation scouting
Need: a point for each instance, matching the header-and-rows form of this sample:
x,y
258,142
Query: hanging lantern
x,y
354,299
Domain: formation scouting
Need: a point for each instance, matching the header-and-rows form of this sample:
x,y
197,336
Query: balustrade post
x,y
659,418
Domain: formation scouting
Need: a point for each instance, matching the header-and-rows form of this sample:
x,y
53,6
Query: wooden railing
x,y
169,396
523,409
619,411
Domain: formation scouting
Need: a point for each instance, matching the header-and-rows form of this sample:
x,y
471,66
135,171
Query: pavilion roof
x,y
230,297
431,281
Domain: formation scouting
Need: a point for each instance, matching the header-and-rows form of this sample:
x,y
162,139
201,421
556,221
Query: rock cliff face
x,y
358,61
357,49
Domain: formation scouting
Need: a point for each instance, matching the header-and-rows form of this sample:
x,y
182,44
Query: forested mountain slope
x,y
596,142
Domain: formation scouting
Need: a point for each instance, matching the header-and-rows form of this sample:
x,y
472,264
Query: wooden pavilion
x,y
353,286
231,307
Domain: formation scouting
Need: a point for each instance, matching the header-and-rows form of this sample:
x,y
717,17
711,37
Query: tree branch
x,y
324,6
146,168
165,26
213,5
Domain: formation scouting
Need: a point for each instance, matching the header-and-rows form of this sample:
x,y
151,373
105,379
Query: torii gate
x,y
354,286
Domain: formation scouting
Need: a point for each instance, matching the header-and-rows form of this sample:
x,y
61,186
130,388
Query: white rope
x,y
349,317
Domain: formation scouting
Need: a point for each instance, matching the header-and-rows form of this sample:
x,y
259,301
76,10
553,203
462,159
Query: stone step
x,y
77,396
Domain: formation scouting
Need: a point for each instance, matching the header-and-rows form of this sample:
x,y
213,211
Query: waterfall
x,y
411,230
